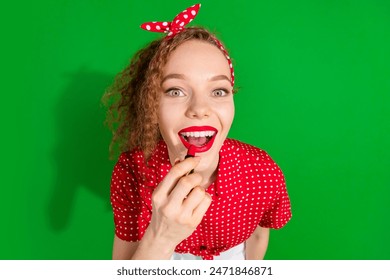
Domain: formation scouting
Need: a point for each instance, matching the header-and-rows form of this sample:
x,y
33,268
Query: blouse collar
x,y
228,167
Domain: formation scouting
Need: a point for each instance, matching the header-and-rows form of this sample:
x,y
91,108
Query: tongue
x,y
197,141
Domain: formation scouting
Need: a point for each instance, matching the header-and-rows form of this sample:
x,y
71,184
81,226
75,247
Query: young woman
x,y
181,189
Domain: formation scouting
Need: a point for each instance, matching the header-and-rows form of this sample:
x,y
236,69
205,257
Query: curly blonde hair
x,y
133,98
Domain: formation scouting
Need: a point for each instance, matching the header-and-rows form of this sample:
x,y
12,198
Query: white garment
x,y
235,253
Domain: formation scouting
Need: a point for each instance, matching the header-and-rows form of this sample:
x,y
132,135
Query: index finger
x,y
176,172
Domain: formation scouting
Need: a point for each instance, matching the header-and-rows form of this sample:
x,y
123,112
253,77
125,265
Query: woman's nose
x,y
198,107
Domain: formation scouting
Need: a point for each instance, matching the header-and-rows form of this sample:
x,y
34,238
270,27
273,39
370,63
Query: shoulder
x,y
251,158
135,158
251,153
132,165
130,158
127,166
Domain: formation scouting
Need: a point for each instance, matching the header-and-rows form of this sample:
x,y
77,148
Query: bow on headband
x,y
178,24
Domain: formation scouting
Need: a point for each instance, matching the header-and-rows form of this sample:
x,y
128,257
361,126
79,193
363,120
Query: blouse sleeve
x,y
279,211
131,214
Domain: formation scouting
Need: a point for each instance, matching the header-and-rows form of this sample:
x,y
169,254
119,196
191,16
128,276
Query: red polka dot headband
x,y
178,24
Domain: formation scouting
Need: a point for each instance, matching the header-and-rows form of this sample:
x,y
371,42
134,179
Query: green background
x,y
314,93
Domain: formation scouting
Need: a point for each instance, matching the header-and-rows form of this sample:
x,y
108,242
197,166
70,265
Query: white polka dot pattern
x,y
249,191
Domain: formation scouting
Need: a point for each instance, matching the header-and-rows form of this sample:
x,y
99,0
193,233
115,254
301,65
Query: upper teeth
x,y
198,133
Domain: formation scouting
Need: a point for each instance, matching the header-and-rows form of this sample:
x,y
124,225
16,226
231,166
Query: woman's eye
x,y
220,92
174,92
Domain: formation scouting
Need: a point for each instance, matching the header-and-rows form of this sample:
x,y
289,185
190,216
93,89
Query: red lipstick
x,y
190,153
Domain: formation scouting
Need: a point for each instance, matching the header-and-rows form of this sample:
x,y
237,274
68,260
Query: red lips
x,y
200,137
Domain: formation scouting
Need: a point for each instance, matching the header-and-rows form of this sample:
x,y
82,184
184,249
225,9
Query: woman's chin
x,y
209,161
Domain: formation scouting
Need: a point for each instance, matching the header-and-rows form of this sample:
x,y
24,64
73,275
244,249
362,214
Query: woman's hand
x,y
179,205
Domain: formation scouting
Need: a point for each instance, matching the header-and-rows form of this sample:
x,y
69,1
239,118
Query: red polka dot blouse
x,y
249,191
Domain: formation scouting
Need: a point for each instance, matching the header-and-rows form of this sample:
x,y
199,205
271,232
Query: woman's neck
x,y
209,174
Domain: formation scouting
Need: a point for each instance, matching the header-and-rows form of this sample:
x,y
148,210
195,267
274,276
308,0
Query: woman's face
x,y
196,106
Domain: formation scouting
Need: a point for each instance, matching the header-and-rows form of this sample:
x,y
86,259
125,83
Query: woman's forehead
x,y
196,53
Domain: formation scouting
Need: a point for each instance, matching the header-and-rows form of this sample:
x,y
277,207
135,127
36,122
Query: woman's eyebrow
x,y
220,77
182,77
173,76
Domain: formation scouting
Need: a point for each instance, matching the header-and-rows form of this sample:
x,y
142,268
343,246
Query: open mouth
x,y
200,137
